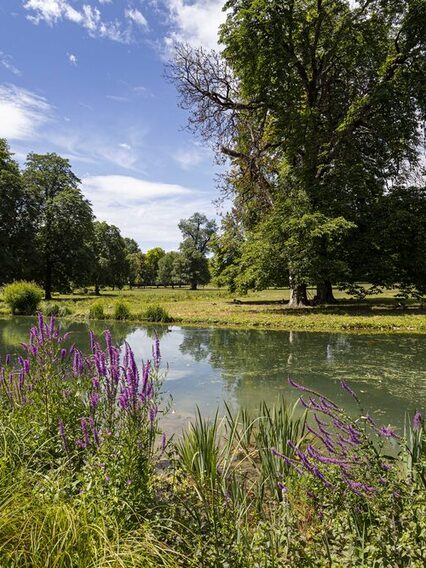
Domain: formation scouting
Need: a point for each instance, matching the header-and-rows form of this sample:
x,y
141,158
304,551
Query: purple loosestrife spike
x,y
152,414
315,393
94,399
387,432
94,430
156,354
163,442
62,434
282,487
63,354
85,432
287,460
51,326
348,389
108,341
417,422
7,359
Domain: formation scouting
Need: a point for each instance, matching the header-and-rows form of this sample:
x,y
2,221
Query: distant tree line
x,y
48,234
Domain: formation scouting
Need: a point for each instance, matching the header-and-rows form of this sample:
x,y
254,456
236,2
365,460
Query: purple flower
x,y
387,432
94,399
7,359
348,389
62,434
163,442
417,422
156,352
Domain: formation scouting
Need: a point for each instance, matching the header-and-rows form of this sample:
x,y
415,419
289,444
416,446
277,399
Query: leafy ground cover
x,y
88,479
264,310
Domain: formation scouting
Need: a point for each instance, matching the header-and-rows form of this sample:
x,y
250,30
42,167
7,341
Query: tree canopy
x,y
317,106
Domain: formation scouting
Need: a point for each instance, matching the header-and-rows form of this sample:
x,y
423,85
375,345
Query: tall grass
x,y
81,483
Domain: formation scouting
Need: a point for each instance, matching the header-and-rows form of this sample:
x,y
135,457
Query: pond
x,y
244,367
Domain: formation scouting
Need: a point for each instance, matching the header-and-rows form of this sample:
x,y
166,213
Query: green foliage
x,y
319,104
17,252
22,297
64,223
121,311
81,482
152,259
156,313
111,266
50,309
96,311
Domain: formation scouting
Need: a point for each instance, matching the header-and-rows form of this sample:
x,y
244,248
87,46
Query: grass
x,y
88,479
263,310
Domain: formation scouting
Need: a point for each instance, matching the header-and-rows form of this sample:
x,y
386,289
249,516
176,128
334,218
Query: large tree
x,y
152,258
16,220
313,101
111,266
64,222
197,233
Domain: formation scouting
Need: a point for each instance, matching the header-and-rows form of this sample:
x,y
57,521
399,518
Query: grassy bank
x,y
88,480
263,310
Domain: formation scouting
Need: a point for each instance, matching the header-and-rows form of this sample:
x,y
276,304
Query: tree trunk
x,y
97,291
193,285
298,296
324,293
48,282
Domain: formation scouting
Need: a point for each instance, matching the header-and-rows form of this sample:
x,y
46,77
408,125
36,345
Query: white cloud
x,y
72,58
6,61
89,17
196,23
144,210
136,17
21,112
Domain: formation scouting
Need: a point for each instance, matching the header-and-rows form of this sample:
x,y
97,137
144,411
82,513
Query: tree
x,y
167,269
136,262
315,99
111,264
227,250
16,220
192,265
152,258
197,232
64,222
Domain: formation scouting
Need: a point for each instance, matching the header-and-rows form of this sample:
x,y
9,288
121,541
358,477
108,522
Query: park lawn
x,y
263,310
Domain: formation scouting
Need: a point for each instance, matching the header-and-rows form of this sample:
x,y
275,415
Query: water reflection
x,y
209,366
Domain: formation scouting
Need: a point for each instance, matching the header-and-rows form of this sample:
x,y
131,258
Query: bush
x,y
23,297
96,311
157,313
51,310
121,311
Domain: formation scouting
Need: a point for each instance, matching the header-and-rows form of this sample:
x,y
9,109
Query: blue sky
x,y
84,78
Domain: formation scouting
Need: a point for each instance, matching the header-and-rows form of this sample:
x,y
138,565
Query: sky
x,y
85,79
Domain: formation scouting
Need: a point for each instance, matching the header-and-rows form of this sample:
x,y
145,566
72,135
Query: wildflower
x,y
417,421
348,389
387,432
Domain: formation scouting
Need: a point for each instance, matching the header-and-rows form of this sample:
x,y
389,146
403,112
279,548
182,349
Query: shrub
x,y
156,313
96,311
121,311
51,310
23,297
64,311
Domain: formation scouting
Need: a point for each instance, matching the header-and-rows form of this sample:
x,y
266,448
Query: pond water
x,y
209,366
